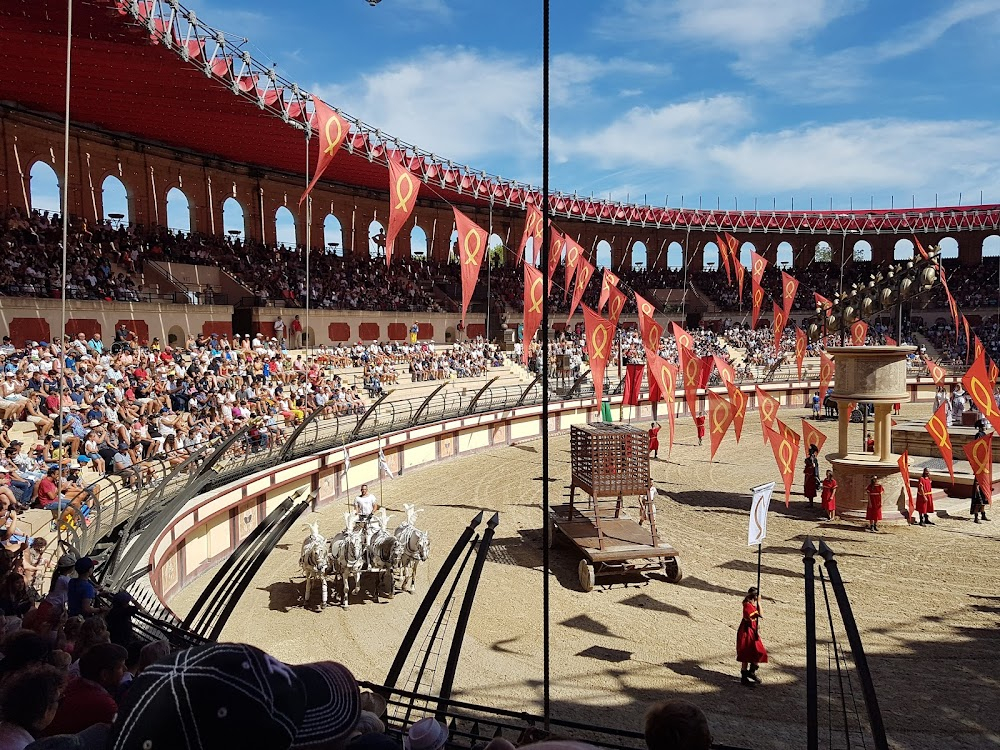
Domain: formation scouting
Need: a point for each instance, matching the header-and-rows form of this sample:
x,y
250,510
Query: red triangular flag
x,y
534,294
937,428
584,273
332,130
720,414
608,280
471,250
533,227
403,189
600,336
739,401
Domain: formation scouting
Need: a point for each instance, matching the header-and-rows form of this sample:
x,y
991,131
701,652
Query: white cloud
x,y
723,23
457,102
925,32
703,144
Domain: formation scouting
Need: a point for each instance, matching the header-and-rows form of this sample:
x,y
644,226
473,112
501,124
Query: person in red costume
x,y
925,501
699,422
829,496
654,439
750,651
873,513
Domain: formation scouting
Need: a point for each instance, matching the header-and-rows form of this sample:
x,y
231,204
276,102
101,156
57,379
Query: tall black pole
x,y
545,367
759,547
812,677
857,649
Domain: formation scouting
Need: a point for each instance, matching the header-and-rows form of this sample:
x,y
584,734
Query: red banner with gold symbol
x,y
583,276
691,370
332,129
573,255
663,375
811,435
767,408
403,189
822,302
726,372
968,338
801,344
724,257
980,455
937,428
757,266
994,372
976,382
739,401
937,372
608,280
738,269
616,303
789,288
533,228
707,363
786,453
780,320
951,301
720,414
556,245
784,430
534,294
649,329
859,333
600,335
825,375
683,338
471,251
904,469
978,350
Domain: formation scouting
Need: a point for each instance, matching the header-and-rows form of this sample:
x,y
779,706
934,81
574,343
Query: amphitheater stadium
x,y
184,406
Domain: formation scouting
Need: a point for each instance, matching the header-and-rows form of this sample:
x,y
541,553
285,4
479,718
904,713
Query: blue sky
x,y
729,101
723,102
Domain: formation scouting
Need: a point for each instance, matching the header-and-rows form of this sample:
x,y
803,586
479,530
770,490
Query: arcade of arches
x,y
148,184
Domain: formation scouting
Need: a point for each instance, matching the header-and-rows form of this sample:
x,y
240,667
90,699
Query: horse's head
x,y
419,546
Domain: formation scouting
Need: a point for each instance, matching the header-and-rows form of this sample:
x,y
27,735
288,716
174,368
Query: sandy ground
x,y
926,600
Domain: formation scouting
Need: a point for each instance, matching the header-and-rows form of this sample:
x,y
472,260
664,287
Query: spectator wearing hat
x,y
234,695
81,591
88,698
426,734
29,700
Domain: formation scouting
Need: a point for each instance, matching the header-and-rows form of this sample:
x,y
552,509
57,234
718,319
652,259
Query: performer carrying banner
x,y
925,500
750,651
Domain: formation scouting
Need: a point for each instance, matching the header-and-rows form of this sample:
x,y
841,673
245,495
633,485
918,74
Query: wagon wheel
x,y
586,576
553,532
672,570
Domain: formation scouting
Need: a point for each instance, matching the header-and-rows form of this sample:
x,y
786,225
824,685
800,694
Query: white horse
x,y
348,555
315,560
384,553
415,547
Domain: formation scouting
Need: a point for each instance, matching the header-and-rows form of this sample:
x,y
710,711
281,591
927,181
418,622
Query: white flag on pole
x,y
383,465
758,514
347,463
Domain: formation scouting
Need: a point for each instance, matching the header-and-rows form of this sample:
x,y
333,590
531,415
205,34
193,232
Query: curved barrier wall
x,y
209,526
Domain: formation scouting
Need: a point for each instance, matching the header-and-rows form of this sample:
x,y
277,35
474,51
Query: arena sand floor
x,y
927,602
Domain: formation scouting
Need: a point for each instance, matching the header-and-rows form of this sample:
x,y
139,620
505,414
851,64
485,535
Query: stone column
x,y
844,422
879,431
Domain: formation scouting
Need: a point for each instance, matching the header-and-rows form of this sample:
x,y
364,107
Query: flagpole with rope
x,y
60,338
308,237
546,239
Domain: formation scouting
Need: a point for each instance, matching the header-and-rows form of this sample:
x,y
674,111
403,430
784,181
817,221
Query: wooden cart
x,y
610,462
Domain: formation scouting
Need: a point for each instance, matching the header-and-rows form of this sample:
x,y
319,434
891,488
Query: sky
x,y
736,103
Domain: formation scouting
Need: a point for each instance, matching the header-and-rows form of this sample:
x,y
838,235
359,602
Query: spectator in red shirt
x,y
88,698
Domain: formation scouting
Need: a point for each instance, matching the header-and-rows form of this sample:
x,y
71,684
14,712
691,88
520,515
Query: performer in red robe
x,y
829,497
654,439
925,501
873,513
699,422
811,478
750,651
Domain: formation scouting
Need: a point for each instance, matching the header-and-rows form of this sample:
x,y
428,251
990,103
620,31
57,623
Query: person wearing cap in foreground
x,y
426,734
677,725
231,695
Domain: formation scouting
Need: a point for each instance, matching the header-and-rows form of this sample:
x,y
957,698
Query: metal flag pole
x,y
546,698
489,268
308,238
60,338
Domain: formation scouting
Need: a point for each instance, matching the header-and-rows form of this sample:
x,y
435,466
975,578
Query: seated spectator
x,y
81,591
29,700
88,698
426,734
677,725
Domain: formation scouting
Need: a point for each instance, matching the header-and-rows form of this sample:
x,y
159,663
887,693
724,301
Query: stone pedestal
x,y
872,374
